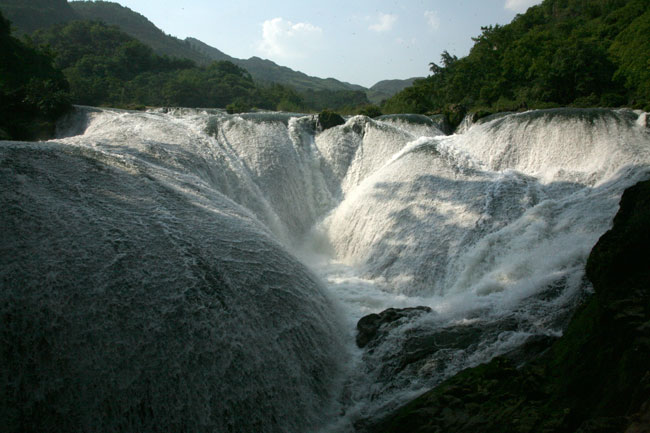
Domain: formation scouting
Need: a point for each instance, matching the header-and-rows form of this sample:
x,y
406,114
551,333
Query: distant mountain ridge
x,y
28,16
208,51
267,71
138,26
387,88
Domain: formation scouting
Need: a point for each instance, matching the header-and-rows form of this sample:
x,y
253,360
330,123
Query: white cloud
x,y
384,23
286,40
520,5
433,20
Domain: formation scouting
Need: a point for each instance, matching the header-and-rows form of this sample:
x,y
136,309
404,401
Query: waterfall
x,y
204,271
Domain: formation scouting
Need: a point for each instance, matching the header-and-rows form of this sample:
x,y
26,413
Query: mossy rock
x,y
238,107
371,111
328,119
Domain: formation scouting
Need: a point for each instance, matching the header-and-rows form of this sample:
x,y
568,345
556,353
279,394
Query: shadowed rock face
x,y
596,378
328,119
374,326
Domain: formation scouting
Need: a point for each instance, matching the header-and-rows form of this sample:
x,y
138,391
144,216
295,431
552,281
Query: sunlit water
x,y
206,271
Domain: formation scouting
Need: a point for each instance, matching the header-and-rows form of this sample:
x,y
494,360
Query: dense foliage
x,y
336,99
30,15
562,52
263,71
138,27
91,64
105,66
33,94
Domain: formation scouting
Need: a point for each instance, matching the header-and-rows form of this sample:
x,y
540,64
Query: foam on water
x,y
179,228
491,229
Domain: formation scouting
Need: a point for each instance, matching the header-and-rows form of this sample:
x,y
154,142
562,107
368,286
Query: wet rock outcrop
x,y
374,326
595,378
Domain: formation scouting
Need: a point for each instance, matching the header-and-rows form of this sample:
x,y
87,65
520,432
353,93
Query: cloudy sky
x,y
357,41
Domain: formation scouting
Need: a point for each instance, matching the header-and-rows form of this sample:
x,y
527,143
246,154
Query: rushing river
x,y
188,270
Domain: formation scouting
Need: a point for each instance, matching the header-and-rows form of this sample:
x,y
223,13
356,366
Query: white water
x,y
116,226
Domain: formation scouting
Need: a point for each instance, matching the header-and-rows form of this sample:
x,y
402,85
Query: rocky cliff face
x,y
596,378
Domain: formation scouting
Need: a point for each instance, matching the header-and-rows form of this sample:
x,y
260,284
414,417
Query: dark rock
x,y
374,325
329,119
238,106
533,348
604,425
455,113
595,378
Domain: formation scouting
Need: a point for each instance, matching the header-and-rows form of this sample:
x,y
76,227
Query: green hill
x,y
139,27
208,51
387,88
40,14
266,71
27,16
107,67
262,71
316,93
580,53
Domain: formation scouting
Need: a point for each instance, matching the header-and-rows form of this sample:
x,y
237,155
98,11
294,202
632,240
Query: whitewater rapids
x,y
190,270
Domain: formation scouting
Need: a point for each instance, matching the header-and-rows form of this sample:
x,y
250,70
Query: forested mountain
x,y
105,66
581,53
562,52
386,88
139,27
27,16
42,14
266,71
208,51
263,71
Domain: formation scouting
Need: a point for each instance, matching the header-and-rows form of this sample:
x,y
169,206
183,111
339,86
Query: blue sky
x,y
361,42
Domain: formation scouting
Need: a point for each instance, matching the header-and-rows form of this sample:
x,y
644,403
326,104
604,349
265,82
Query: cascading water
x,y
149,278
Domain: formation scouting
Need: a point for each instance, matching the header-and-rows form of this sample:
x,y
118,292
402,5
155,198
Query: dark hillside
x,y
105,66
33,93
139,27
317,92
386,88
264,70
208,51
27,16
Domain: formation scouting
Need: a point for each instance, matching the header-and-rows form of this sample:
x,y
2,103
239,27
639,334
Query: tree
x,y
33,94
